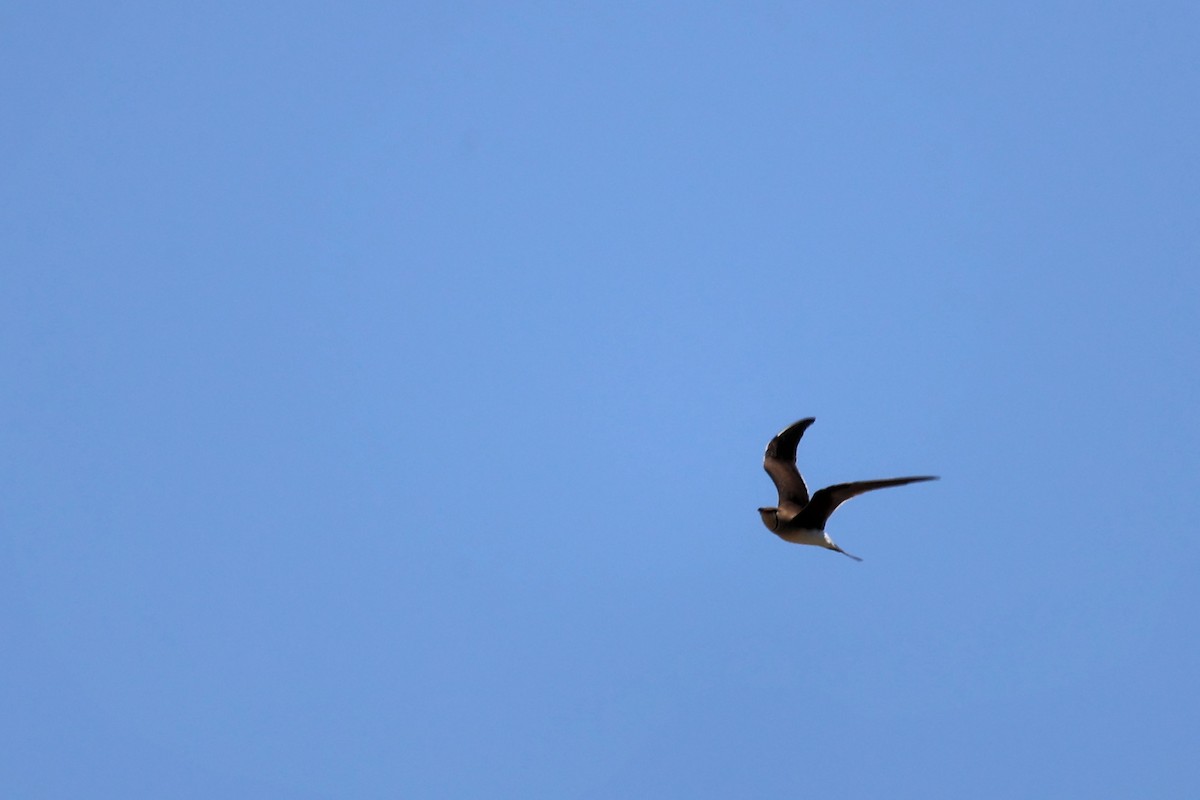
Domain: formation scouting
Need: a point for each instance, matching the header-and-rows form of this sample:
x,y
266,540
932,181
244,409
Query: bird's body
x,y
813,536
798,518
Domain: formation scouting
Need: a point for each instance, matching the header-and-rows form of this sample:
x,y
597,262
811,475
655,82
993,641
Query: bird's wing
x,y
824,501
780,463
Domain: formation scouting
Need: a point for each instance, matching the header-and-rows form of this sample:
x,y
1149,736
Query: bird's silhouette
x,y
798,518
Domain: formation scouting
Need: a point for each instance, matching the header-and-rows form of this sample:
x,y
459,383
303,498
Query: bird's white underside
x,y
807,536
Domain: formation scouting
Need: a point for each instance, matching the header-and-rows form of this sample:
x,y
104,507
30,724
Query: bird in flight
x,y
798,518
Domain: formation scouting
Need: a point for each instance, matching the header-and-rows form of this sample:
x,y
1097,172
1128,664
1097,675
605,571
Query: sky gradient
x,y
385,389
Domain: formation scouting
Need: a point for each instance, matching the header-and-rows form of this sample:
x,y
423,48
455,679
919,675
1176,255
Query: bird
x,y
798,518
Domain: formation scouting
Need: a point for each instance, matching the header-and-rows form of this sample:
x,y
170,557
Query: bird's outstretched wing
x,y
824,501
780,463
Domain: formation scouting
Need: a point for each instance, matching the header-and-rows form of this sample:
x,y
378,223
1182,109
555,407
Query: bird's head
x,y
770,517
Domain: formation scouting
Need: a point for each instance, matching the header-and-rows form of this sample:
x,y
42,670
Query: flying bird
x,y
798,518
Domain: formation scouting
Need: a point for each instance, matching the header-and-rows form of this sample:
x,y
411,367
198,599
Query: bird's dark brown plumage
x,y
817,512
799,518
780,463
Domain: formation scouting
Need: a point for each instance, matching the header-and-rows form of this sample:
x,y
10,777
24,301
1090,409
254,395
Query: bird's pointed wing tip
x,y
800,423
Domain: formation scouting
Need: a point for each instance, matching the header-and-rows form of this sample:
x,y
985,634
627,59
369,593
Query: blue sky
x,y
385,389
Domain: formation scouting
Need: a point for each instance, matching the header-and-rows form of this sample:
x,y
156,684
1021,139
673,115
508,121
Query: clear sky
x,y
385,388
